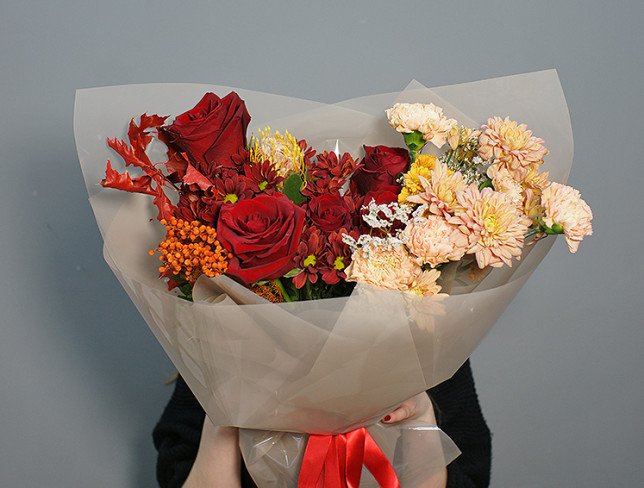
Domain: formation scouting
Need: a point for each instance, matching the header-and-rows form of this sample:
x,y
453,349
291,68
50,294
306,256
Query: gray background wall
x,y
81,378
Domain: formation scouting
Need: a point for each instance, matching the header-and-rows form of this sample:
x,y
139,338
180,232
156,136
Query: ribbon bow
x,y
335,461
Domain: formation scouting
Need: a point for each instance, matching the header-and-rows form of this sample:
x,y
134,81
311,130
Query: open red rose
x,y
262,234
329,212
211,132
381,166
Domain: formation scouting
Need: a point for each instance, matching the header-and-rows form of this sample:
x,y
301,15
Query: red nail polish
x,y
387,418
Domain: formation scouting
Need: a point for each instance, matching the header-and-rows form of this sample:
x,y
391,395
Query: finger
x,y
404,411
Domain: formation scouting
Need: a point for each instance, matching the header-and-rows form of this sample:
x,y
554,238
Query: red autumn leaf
x,y
163,203
123,181
139,135
134,155
176,165
193,176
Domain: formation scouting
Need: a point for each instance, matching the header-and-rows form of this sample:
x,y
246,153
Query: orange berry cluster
x,y
191,249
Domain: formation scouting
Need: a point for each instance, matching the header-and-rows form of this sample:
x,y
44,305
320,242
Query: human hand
x,y
418,407
218,460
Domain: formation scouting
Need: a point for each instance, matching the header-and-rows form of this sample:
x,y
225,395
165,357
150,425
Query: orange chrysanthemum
x,y
191,249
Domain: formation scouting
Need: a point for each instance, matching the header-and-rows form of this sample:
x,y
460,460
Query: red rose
x,y
212,132
381,167
329,212
383,196
262,234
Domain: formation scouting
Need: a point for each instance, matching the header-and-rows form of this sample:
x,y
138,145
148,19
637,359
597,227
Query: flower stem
x,y
280,286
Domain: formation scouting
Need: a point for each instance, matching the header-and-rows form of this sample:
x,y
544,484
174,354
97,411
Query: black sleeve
x,y
178,432
459,416
176,438
177,435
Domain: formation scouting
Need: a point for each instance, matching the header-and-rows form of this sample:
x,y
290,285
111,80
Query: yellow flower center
x,y
231,198
515,138
490,223
310,260
339,263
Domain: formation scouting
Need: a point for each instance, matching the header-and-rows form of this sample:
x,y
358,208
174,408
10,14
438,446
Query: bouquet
x,y
322,266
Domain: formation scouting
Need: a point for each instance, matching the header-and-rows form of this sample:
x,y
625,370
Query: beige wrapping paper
x,y
279,371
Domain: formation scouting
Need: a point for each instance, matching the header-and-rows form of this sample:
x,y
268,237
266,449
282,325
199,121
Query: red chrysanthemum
x,y
262,177
232,187
337,256
309,256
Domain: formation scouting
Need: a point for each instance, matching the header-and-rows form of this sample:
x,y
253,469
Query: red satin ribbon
x,y
335,461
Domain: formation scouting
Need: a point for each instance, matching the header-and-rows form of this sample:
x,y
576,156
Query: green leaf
x,y
293,273
292,188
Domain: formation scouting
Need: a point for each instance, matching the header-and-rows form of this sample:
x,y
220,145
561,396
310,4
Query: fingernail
x,y
387,418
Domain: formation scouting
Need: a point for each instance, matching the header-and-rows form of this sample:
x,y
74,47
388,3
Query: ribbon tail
x,y
312,470
378,464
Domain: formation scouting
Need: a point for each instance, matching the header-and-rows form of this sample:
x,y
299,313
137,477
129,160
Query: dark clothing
x,y
178,432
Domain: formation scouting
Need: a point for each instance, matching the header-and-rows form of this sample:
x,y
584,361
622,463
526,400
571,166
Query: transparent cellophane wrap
x,y
280,371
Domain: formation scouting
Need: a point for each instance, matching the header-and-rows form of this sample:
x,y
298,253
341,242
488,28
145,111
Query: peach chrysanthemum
x,y
425,118
440,191
425,284
535,179
512,144
503,182
422,166
459,136
433,240
563,205
390,267
532,203
493,224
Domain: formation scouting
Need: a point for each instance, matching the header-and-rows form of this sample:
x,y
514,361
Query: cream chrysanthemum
x,y
425,118
438,128
495,227
511,144
563,205
409,117
440,191
433,240
389,267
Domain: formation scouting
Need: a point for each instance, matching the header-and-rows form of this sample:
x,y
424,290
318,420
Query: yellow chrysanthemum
x,y
282,150
422,166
